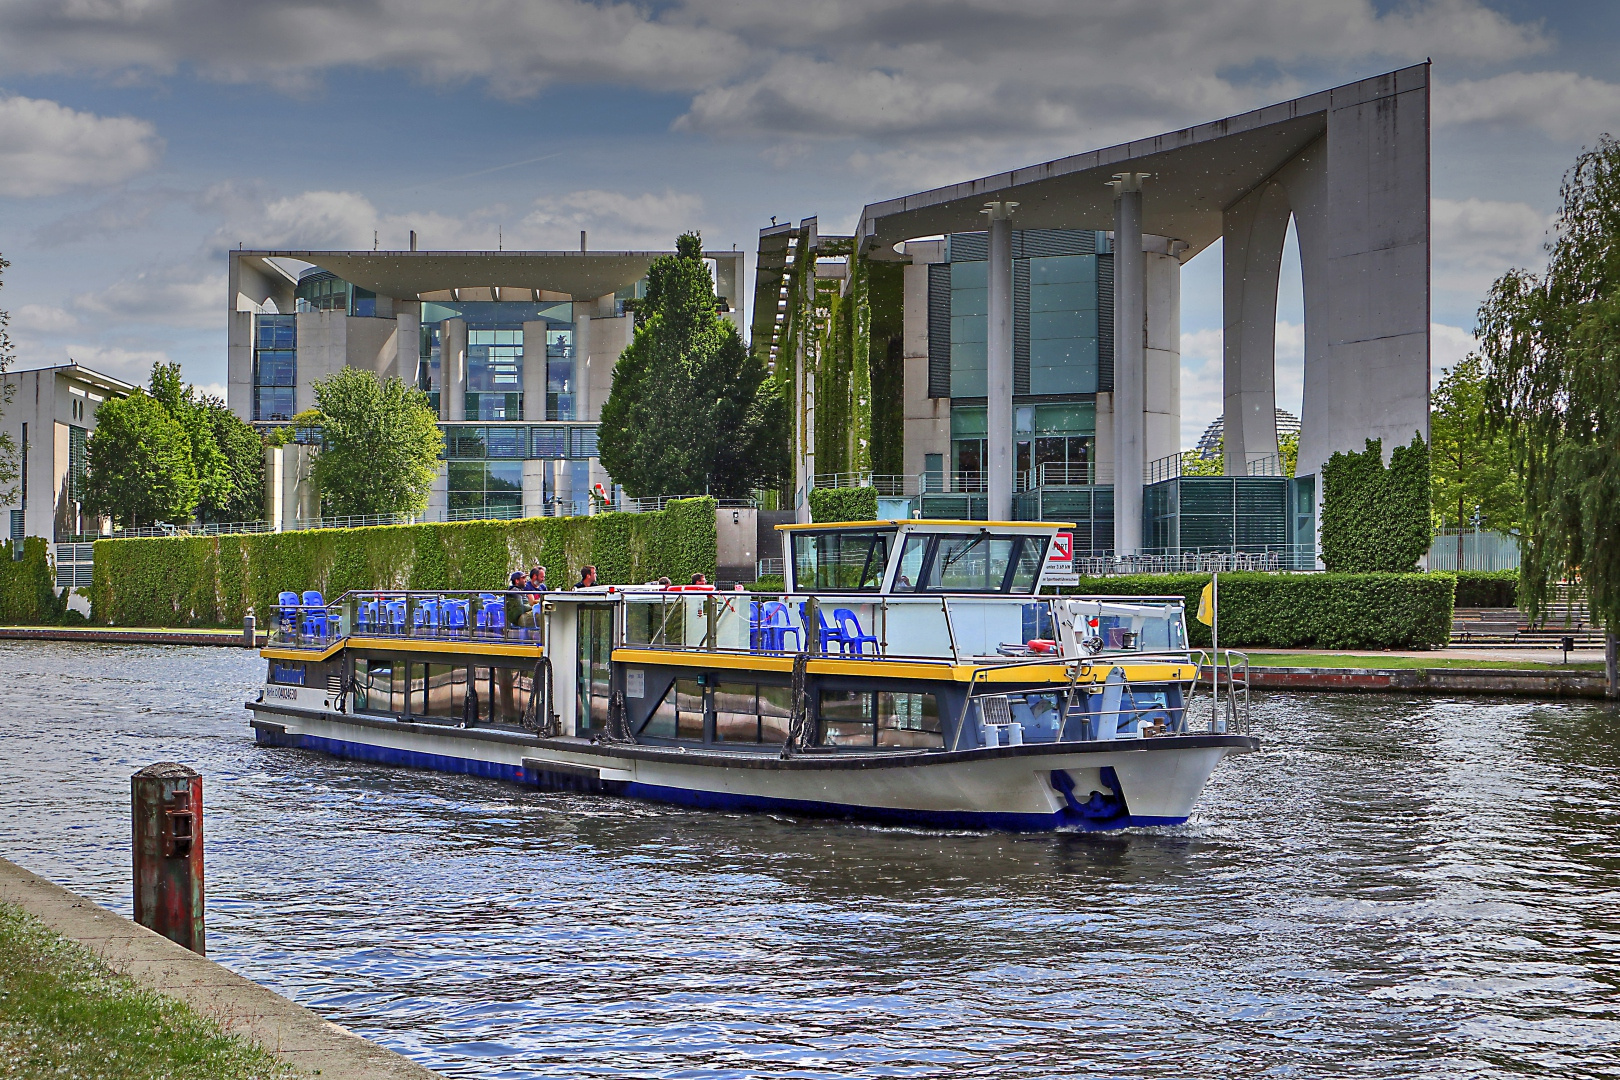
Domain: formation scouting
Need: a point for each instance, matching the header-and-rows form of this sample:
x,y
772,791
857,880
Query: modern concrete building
x,y
1042,304
50,416
515,349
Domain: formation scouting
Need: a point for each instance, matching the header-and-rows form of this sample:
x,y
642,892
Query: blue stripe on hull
x,y
706,800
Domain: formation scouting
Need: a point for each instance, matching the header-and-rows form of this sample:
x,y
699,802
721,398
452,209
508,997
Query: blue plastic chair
x,y
455,613
315,622
778,625
395,611
365,618
850,632
830,635
287,612
491,612
426,615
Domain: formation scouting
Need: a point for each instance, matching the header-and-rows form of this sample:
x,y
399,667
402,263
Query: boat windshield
x,y
842,561
970,562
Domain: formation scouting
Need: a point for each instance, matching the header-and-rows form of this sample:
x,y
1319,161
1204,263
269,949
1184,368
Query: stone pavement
x,y
291,1032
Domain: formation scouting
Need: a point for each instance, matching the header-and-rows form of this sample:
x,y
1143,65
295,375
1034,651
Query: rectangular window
x,y
736,713
972,563
910,720
275,366
969,326
376,687
78,461
846,718
560,375
841,561
688,710
775,713
662,724
445,690
549,442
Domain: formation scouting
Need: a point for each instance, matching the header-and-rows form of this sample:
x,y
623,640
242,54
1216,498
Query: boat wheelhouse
x,y
909,672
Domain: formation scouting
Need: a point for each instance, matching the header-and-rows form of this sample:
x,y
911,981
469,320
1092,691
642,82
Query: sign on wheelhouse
x,y
909,672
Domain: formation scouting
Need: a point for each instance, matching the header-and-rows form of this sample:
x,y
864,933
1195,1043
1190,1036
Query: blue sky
x,y
139,139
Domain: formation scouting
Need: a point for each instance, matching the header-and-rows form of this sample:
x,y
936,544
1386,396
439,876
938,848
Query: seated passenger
x,y
587,578
517,602
699,579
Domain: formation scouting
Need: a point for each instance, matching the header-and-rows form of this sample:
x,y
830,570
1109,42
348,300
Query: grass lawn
x,y
1377,660
65,1013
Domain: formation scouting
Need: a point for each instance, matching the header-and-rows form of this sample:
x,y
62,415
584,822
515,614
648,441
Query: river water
x,y
1395,887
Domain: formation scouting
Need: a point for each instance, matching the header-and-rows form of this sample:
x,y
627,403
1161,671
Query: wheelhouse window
x,y
970,563
843,561
865,718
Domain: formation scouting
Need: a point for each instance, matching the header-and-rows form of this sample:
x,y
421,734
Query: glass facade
x,y
322,290
485,485
275,366
1063,325
970,306
495,374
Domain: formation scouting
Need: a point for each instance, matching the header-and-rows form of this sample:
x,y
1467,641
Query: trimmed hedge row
x,y
213,580
1312,611
27,586
843,504
1487,588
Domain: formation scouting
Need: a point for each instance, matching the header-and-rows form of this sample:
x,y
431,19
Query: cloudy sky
x,y
139,139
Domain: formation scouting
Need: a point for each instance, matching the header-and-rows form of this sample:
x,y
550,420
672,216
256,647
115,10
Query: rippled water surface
x,y
1395,887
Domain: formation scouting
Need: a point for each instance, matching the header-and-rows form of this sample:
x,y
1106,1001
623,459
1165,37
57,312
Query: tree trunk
x,y
1611,663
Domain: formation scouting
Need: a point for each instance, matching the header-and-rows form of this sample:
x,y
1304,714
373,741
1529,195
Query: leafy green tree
x,y
1376,519
8,445
140,467
380,444
1288,451
691,410
227,455
1551,346
1473,463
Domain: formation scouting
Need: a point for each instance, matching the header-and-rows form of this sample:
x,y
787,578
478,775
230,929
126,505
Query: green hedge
x,y
843,504
1487,588
27,586
1311,611
213,580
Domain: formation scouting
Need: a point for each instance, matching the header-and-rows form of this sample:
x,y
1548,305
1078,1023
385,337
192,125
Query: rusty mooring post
x,y
167,803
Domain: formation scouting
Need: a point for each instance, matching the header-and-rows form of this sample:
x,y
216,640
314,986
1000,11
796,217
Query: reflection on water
x,y
1396,886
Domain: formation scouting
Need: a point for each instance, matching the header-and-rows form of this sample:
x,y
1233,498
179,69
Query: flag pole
x,y
1214,612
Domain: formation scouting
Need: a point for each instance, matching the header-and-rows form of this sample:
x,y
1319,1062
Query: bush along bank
x,y
28,588
1305,611
843,504
213,580
1487,588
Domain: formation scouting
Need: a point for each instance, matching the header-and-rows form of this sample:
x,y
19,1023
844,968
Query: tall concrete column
x,y
1130,314
534,371
453,370
1252,235
407,340
999,363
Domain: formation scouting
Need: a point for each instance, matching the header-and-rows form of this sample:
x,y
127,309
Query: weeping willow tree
x,y
1551,345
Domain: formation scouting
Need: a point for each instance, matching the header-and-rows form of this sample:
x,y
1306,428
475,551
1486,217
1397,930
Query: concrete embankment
x,y
289,1032
133,635
1499,682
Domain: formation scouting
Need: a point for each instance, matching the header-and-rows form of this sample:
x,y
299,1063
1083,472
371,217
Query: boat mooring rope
x,y
801,707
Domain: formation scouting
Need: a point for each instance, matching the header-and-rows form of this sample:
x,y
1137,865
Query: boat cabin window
x,y
842,561
1147,628
881,718
749,713
377,689
970,562
679,715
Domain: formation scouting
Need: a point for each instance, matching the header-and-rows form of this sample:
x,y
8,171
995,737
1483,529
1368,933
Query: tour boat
x,y
912,672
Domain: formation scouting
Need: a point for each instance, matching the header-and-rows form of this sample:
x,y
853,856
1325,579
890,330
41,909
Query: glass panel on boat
x,y
660,620
775,712
503,694
446,690
689,709
415,687
736,716
846,718
1031,554
841,561
911,562
910,720
661,724
375,687
595,650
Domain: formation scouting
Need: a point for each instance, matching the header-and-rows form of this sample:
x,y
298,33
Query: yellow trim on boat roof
x,y
927,522
903,669
409,645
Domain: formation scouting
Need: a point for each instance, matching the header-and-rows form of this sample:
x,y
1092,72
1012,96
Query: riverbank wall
x,y
289,1032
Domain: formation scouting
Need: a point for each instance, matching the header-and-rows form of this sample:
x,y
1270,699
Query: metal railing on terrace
x,y
1474,549
1173,467
437,616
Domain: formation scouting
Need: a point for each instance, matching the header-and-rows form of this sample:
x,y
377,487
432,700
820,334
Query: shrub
x,y
1487,588
1376,520
843,504
1321,611
27,586
213,580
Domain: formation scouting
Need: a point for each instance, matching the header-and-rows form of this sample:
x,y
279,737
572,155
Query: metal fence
x,y
1474,549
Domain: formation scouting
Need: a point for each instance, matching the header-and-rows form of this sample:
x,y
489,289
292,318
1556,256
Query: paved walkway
x,y
290,1032
129,635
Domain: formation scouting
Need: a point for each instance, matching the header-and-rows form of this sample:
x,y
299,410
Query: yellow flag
x,y
1206,605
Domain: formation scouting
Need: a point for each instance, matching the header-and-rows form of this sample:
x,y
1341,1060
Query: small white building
x,y
50,416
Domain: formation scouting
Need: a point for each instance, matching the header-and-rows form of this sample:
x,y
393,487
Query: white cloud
x,y
131,365
614,219
1563,104
1476,240
1447,345
33,319
46,148
170,295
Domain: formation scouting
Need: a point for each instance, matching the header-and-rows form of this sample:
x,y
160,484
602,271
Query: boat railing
x,y
437,615
1100,702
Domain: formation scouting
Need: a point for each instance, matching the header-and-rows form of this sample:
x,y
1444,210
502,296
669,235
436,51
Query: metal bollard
x,y
250,626
166,800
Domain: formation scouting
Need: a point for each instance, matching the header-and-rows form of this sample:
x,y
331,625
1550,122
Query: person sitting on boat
x,y
537,583
664,582
518,607
699,579
587,578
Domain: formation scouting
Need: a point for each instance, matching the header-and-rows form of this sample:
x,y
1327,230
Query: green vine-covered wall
x,y
885,296
27,586
213,580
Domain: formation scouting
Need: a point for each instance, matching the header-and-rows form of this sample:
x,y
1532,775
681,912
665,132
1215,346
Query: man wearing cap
x,y
517,605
